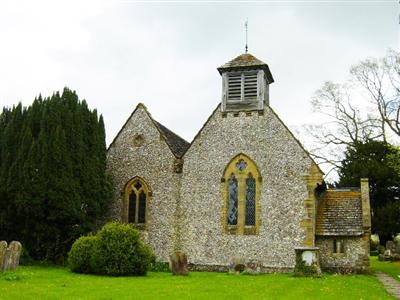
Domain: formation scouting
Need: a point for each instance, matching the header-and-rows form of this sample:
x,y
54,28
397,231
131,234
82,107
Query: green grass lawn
x,y
391,268
40,282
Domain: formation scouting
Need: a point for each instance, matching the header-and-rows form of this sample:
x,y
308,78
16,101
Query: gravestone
x,y
178,263
3,249
307,262
10,255
390,245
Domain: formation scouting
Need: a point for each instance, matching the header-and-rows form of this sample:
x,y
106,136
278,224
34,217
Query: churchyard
x,y
53,282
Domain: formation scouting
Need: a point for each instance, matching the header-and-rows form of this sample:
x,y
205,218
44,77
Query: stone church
x,y
244,188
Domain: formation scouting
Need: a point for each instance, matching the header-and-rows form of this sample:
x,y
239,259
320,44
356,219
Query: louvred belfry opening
x,y
245,84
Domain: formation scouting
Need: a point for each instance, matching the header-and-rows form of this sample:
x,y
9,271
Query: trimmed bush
x,y
120,251
80,255
115,250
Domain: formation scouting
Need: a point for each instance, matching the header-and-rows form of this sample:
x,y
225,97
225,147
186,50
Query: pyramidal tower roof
x,y
246,61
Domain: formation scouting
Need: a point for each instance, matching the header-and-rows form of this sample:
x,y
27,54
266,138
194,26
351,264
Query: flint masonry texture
x,y
186,207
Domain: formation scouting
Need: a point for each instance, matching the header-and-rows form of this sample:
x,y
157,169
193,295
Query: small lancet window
x,y
242,193
232,200
132,207
338,246
250,217
136,202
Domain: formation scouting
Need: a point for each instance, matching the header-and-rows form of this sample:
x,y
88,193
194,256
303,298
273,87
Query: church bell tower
x,y
245,84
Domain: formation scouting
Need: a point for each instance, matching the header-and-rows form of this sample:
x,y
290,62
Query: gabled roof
x,y
175,143
339,214
218,108
246,61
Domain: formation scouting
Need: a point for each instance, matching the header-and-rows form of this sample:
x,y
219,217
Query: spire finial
x,y
246,24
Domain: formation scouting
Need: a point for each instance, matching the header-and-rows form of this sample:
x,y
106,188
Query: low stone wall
x,y
355,258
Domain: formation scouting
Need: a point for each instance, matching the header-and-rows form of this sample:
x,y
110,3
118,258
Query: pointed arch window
x,y
241,189
250,205
137,196
232,200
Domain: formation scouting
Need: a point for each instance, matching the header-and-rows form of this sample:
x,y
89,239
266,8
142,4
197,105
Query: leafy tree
x,y
380,162
53,181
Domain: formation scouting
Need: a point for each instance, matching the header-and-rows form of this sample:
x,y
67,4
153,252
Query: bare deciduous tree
x,y
351,116
381,79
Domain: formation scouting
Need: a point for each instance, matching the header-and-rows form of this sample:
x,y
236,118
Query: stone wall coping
x,y
306,248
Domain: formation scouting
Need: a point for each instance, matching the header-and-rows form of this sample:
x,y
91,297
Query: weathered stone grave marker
x,y
9,256
3,249
178,263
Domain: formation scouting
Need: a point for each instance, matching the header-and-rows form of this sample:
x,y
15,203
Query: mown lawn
x,y
390,268
40,282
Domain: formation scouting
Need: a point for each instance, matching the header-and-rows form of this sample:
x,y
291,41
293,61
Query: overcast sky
x,y
116,54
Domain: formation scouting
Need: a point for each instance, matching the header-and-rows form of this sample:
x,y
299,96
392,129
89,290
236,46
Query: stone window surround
x,y
127,190
338,247
241,228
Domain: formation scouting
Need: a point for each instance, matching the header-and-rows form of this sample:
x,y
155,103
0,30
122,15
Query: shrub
x,y
374,242
80,255
25,259
115,250
381,249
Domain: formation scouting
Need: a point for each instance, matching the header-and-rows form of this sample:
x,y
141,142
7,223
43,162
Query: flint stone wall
x,y
153,161
355,258
282,163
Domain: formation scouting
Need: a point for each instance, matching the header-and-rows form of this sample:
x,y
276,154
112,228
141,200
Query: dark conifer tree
x,y
53,181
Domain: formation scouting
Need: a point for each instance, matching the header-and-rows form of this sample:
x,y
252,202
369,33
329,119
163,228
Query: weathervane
x,y
246,24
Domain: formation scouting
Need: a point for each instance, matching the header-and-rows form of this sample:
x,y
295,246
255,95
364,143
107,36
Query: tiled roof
x,y
246,61
339,213
243,60
177,144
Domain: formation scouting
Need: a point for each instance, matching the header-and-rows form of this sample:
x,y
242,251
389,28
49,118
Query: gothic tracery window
x,y
242,192
232,200
250,217
136,202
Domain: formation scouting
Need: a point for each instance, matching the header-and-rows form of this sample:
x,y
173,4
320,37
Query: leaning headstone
x,y
15,253
11,255
178,263
3,249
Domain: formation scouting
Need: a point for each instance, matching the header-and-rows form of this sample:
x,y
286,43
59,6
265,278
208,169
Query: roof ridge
x,y
177,144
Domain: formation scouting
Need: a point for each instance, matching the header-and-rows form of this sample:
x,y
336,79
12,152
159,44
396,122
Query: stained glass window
x,y
142,208
242,185
241,165
232,200
250,217
132,207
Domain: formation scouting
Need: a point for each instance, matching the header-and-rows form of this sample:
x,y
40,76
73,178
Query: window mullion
x,y
241,202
